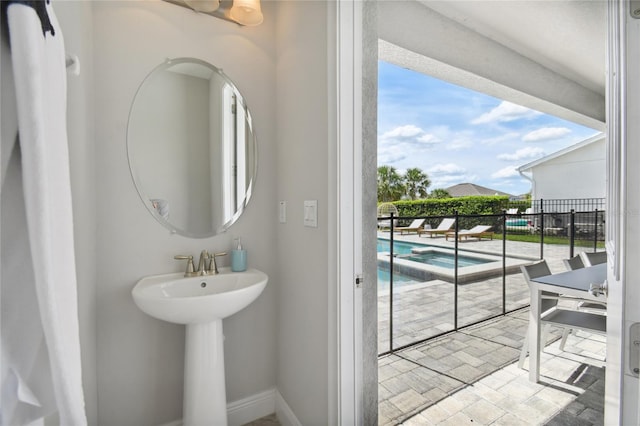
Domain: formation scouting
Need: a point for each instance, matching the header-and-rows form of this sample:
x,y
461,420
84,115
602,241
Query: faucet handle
x,y
213,267
190,267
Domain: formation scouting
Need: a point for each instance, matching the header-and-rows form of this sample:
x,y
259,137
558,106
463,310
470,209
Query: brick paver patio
x,y
470,375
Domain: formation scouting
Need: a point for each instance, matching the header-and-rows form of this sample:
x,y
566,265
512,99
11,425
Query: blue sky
x,y
457,135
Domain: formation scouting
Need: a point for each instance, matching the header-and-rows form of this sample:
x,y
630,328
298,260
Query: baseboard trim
x,y
251,408
284,413
254,407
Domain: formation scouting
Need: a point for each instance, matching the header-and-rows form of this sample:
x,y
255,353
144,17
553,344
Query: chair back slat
x,y
574,263
596,258
536,270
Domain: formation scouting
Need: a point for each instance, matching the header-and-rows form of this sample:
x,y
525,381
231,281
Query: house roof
x,y
467,189
579,145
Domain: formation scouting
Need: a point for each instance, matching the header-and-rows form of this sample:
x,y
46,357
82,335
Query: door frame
x,y
348,67
623,204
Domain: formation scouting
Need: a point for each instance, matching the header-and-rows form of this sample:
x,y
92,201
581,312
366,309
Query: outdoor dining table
x,y
573,283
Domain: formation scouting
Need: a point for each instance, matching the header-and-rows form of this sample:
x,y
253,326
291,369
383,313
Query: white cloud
x,y
506,173
445,175
428,138
504,112
546,133
459,143
409,133
390,157
446,169
523,154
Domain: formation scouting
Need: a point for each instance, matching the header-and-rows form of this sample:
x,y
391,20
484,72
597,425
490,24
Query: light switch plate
x,y
282,212
311,213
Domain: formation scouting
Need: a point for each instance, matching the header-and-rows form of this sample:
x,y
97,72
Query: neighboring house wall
x,y
577,174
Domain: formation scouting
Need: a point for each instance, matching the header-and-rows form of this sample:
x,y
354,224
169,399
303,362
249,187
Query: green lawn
x,y
549,239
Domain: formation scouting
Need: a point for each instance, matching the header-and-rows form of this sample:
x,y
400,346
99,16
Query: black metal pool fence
x,y
573,228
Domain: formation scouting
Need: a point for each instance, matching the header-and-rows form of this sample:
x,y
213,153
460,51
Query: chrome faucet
x,y
213,266
202,264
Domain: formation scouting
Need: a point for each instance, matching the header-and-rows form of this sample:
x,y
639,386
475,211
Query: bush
x,y
446,207
494,204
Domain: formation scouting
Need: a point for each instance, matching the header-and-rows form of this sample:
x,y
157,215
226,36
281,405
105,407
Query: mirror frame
x,y
146,200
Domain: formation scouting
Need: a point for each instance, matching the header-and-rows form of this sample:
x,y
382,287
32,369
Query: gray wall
x,y
140,359
303,174
369,204
133,364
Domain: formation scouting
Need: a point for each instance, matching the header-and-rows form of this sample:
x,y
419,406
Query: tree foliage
x,y
439,194
390,184
416,183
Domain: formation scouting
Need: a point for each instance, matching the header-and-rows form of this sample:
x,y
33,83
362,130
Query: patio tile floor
x,y
472,376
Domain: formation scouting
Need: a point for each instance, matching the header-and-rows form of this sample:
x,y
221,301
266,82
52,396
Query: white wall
x,y
303,174
75,20
134,364
582,173
140,359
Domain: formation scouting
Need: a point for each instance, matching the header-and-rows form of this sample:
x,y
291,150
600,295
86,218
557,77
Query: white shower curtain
x,y
41,371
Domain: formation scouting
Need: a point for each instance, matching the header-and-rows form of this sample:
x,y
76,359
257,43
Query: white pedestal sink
x,y
201,303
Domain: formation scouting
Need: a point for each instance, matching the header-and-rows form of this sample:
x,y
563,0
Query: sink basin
x,y
193,300
201,303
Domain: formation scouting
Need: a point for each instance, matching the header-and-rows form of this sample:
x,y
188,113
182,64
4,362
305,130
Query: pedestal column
x,y
205,399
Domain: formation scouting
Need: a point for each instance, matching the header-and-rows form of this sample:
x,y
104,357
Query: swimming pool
x,y
399,279
425,262
445,260
399,247
424,253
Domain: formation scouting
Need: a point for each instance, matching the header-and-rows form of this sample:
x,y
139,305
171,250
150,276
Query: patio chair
x,y
444,227
414,227
591,306
478,231
590,259
573,263
512,211
552,315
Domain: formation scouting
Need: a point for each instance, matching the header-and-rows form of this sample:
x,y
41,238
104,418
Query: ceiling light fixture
x,y
204,6
246,12
242,12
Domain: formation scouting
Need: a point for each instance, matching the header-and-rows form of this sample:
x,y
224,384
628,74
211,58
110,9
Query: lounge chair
x,y
444,227
414,227
478,231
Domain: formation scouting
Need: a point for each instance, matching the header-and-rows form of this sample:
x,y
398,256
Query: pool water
x,y
398,279
446,260
435,258
398,247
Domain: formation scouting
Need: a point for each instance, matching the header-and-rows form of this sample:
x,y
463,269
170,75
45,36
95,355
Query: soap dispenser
x,y
239,258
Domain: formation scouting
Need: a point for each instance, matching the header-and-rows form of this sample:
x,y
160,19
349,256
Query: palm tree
x,y
390,187
416,183
439,193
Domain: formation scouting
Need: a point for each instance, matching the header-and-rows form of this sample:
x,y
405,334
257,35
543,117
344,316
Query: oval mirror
x,y
192,151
